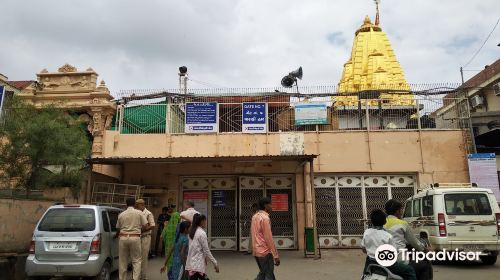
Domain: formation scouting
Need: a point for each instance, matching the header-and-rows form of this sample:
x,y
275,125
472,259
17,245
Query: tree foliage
x,y
33,138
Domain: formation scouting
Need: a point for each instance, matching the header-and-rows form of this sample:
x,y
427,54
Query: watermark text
x,y
387,255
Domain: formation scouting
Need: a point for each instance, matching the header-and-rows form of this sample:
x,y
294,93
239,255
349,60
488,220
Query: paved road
x,y
334,264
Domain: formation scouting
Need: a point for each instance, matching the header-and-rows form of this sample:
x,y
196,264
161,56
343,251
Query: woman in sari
x,y
179,252
169,233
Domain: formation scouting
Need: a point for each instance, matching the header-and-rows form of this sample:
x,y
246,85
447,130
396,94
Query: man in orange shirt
x,y
263,247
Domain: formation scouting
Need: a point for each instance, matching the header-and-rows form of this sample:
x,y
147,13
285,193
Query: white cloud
x,y
245,43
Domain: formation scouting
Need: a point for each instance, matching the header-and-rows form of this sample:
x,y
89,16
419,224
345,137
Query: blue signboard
x,y
218,199
254,117
201,117
481,155
2,95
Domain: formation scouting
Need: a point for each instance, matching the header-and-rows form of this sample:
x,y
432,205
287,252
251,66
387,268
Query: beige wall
x,y
436,156
64,195
17,222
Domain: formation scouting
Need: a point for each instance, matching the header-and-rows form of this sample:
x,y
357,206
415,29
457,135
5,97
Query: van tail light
x,y
497,215
32,247
95,245
442,224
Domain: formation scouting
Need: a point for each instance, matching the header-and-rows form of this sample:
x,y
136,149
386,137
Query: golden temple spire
x,y
372,66
377,17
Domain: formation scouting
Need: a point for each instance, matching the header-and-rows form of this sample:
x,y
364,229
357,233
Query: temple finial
x,y
377,18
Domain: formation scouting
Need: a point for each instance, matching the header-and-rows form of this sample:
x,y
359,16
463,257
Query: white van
x,y
457,216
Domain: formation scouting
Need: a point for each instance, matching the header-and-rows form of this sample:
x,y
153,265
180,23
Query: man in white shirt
x,y
187,215
377,236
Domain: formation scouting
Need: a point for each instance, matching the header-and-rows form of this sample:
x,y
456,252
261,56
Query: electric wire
x,y
484,43
206,83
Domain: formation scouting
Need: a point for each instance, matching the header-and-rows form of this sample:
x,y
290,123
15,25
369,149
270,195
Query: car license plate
x,y
62,245
474,247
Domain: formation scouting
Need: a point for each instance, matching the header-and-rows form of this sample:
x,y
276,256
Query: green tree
x,y
31,139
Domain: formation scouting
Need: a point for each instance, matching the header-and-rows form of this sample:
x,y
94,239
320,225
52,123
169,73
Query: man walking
x,y
145,237
187,215
129,226
255,209
263,247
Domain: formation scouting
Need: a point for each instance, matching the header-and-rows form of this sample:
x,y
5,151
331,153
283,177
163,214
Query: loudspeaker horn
x,y
297,73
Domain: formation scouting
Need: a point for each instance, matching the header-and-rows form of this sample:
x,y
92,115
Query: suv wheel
x,y
489,260
105,273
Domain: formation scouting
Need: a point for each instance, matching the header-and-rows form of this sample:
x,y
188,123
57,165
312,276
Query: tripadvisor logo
x,y
387,255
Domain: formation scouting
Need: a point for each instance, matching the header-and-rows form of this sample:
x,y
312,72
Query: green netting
x,y
144,119
150,118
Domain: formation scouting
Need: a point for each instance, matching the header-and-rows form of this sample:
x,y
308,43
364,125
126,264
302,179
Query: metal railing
x,y
413,112
281,94
115,195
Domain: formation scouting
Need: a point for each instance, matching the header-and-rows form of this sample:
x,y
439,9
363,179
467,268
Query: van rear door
x,y
470,217
65,234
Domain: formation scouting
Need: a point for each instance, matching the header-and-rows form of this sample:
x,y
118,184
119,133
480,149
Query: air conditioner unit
x,y
476,101
496,89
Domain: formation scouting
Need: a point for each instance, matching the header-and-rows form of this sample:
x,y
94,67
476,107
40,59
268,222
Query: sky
x,y
239,43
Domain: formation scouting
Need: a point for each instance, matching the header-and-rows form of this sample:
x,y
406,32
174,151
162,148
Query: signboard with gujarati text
x,y
254,118
201,117
218,199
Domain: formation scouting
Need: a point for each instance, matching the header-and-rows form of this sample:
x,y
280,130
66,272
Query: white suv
x,y
74,240
457,216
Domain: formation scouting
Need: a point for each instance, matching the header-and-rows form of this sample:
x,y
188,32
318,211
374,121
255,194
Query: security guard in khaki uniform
x,y
146,236
129,226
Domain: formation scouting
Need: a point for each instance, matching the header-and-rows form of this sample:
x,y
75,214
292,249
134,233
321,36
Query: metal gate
x,y
220,207
115,195
218,196
282,219
344,201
